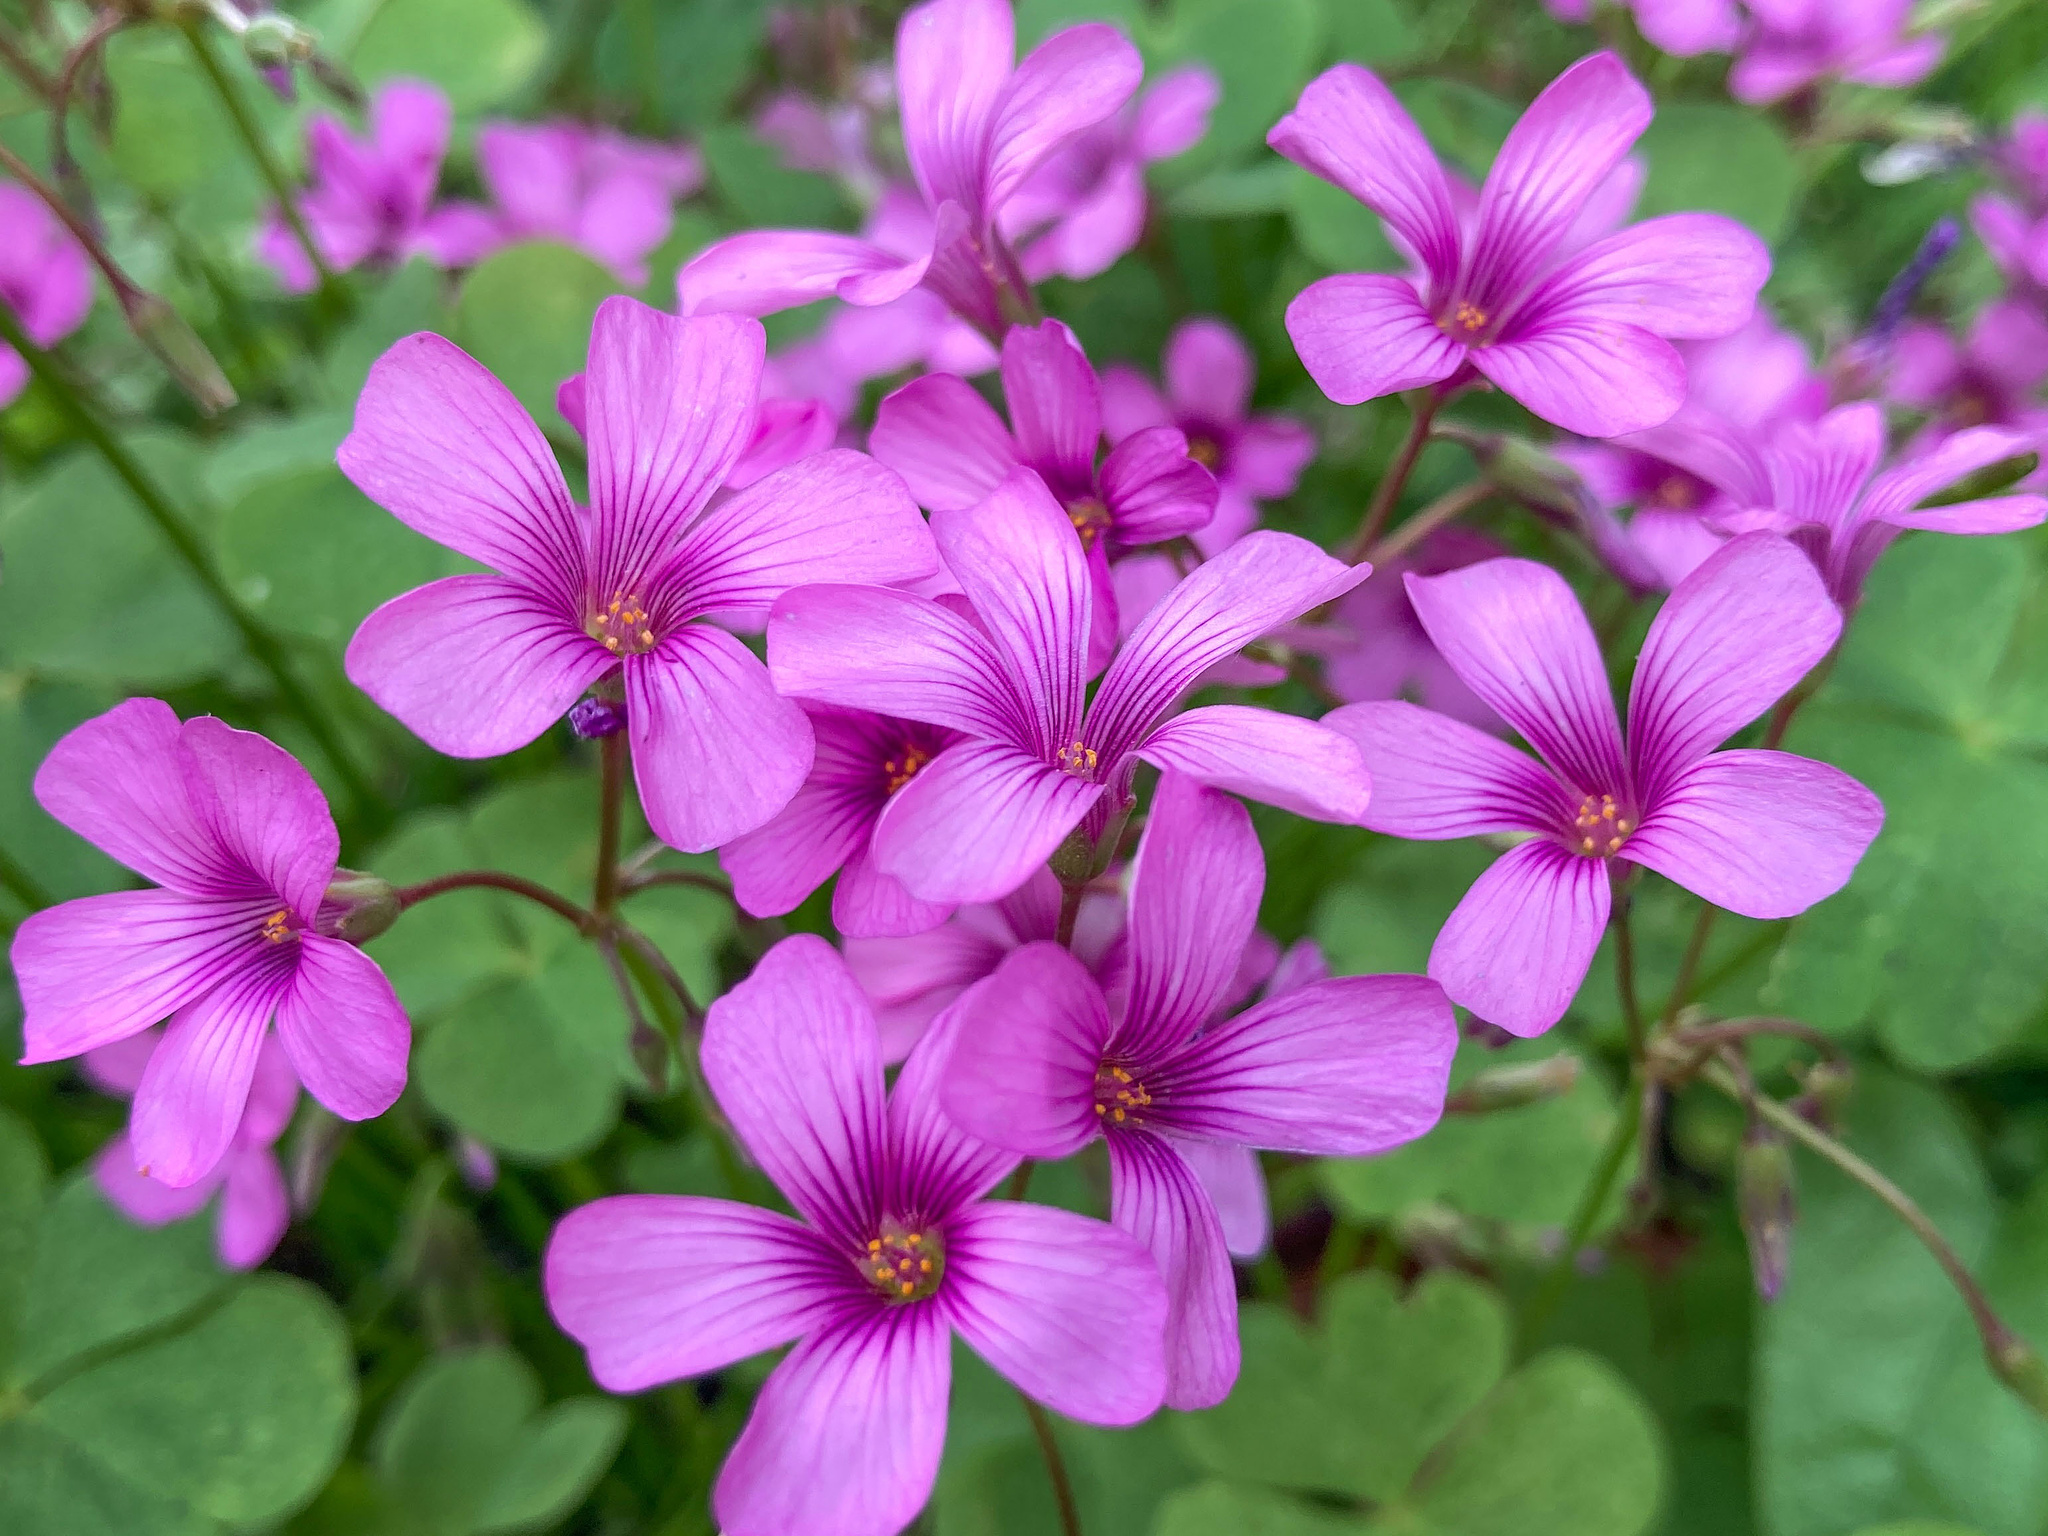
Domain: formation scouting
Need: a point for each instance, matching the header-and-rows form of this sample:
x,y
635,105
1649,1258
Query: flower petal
x,y
791,1055
1514,631
1588,374
953,58
1516,948
1435,777
254,1208
1818,469
936,1165
475,666
1894,495
869,904
1055,405
785,432
192,1092
1362,335
774,867
1154,490
760,271
1131,403
660,1287
1236,1187
263,808
145,1201
948,444
1173,114
1299,765
1021,1070
344,1029
1070,82
1070,1310
1765,834
977,820
1156,1197
1685,274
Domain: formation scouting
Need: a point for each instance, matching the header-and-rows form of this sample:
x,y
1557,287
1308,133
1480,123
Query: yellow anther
x,y
277,927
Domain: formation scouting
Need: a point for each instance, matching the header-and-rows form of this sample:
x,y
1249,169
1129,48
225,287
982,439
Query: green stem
x,y
1055,1467
1612,1156
1625,978
1384,495
1445,509
610,800
1070,910
264,646
409,896
1689,964
1020,1180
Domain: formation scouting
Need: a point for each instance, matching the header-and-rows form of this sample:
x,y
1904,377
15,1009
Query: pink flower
x,y
254,1210
238,837
44,279
1681,28
1578,338
1992,379
609,196
481,665
1209,373
953,451
372,200
1039,758
897,1250
975,126
1042,1064
1794,43
1085,205
1765,834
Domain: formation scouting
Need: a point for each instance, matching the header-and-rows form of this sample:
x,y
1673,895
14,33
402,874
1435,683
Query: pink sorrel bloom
x,y
1992,378
785,429
1085,205
254,1209
976,124
44,279
952,450
480,665
897,1250
372,200
1039,757
1384,652
1578,338
609,196
240,840
1792,44
1042,1064
2014,228
1765,834
1819,485
1209,373
1681,28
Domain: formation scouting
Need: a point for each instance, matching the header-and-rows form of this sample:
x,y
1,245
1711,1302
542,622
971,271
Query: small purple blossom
x,y
953,450
1681,28
1762,833
372,200
240,841
1577,336
45,280
897,1250
1793,44
1992,377
1038,757
1043,1062
2014,228
608,195
480,665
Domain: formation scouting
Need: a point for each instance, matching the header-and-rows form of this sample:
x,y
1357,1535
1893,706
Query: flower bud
x,y
1521,469
356,907
272,40
593,718
1073,862
1825,1093
177,346
1511,1086
2016,1363
1765,1200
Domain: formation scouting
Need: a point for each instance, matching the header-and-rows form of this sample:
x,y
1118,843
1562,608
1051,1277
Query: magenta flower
x,y
1765,834
976,124
1039,758
953,450
2014,228
1792,44
238,837
481,665
254,1210
1820,487
609,196
1209,373
1085,204
1042,1064
1993,378
1579,339
897,1250
44,279
1681,28
372,200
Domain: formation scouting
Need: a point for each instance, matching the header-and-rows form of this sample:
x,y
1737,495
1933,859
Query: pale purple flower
x,y
976,124
254,1209
45,280
1085,205
1762,833
608,195
953,450
1681,28
1992,378
240,840
1793,44
372,200
1578,338
1820,487
1209,373
897,1250
480,665
1039,758
1043,1062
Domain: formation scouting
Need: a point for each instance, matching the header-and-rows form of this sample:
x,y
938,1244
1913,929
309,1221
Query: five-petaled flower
x,y
480,665
897,1250
1763,833
1042,1063
240,840
44,279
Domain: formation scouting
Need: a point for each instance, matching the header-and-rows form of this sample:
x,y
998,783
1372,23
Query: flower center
x,y
1205,451
1601,827
279,927
899,769
621,626
1090,517
904,1263
1679,492
1465,321
1078,760
1119,1096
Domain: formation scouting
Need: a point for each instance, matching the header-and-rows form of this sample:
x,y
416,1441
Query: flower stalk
x,y
1423,411
1055,1466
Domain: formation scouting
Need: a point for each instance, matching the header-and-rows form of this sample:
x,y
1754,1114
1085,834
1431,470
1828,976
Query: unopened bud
x,y
1073,862
593,718
356,907
1768,1206
651,1056
177,346
1522,469
2016,1363
477,1164
1510,1087
272,40
1824,1093
336,81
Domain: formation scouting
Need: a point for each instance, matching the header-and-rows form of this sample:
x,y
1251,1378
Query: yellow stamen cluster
x,y
622,627
1119,1096
1090,517
1205,451
1601,826
1467,320
1078,760
899,770
904,1264
1676,491
278,927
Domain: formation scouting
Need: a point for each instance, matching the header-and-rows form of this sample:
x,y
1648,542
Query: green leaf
x,y
1376,33
690,60
50,1486
557,1460
31,721
479,51
749,175
171,138
22,1176
1218,1509
413,298
1354,1407
525,314
1262,51
1463,123
1714,157
1335,228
